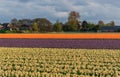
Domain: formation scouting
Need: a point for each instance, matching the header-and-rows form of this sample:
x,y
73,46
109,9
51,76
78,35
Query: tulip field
x,y
59,62
60,55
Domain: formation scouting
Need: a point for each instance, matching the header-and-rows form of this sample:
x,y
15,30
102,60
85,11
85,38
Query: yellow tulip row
x,y
46,62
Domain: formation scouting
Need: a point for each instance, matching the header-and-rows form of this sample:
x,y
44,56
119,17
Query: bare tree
x,y
13,25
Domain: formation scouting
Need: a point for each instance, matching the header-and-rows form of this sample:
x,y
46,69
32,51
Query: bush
x,y
2,31
8,31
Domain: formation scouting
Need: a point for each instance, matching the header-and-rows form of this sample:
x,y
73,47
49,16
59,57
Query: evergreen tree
x,y
84,26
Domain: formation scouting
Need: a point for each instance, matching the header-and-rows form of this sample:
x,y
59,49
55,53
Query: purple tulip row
x,y
62,43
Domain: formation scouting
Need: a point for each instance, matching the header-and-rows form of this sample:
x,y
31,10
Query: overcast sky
x,y
90,10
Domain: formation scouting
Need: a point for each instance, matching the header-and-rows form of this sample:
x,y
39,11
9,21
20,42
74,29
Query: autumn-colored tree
x,y
100,23
73,16
73,20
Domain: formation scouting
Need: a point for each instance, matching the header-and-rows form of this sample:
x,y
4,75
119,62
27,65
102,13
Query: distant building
x,y
1,27
110,29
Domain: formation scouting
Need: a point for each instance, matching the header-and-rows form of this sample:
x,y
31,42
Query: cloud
x,y
24,1
90,10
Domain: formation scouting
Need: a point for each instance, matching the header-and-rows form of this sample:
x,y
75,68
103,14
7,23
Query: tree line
x,y
44,25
